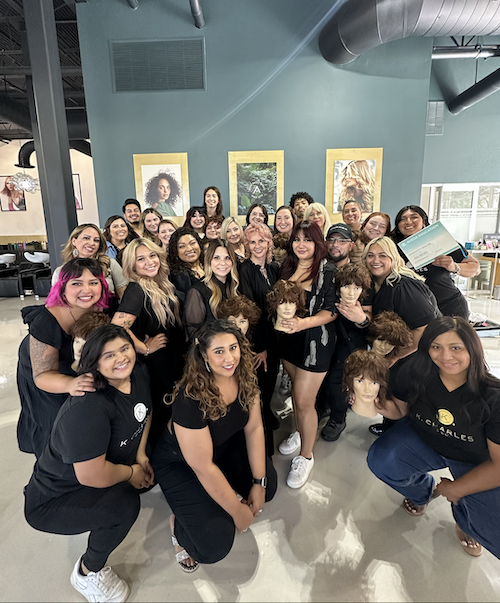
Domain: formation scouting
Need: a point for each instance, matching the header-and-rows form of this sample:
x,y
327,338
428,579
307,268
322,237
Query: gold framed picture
x,y
162,182
256,177
353,174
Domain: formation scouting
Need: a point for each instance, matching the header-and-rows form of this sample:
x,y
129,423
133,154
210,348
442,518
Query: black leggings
x,y
202,526
108,513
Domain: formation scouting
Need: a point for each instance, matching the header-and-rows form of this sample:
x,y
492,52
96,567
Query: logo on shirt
x,y
140,412
445,417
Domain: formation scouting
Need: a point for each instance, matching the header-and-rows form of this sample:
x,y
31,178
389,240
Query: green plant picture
x,y
257,183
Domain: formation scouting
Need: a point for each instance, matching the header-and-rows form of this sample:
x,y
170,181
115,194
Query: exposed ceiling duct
x,y
485,87
465,52
360,25
196,11
28,148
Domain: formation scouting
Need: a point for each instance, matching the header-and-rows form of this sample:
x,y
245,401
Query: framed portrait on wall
x,y
256,177
353,175
162,182
10,199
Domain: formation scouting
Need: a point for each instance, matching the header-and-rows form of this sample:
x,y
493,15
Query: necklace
x,y
74,319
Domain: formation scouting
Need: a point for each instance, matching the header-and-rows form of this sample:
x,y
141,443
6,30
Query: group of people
x,y
155,360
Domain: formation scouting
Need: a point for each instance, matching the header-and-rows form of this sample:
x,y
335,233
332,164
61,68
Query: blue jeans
x,y
402,460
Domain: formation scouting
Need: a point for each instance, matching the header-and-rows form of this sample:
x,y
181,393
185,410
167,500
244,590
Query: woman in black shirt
x,y
185,259
213,448
453,420
151,310
89,473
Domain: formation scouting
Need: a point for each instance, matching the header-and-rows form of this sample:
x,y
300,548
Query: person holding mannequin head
x,y
211,462
44,373
212,202
196,219
412,219
317,213
358,184
299,202
365,380
450,409
242,313
306,349
185,259
232,232
286,300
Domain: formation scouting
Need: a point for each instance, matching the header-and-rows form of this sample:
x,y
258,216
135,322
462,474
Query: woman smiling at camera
x,y
185,259
232,232
211,462
88,477
451,406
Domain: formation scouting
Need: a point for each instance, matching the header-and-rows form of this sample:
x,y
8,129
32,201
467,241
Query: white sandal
x,y
182,556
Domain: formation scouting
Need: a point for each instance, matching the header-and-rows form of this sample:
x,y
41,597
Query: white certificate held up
x,y
425,246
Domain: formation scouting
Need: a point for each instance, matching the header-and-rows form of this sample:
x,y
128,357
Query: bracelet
x,y
363,324
132,474
147,350
457,268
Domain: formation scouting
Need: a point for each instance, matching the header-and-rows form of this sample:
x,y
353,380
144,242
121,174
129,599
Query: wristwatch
x,y
365,323
262,482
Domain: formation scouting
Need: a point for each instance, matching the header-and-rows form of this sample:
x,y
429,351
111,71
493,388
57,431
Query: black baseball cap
x,y
343,229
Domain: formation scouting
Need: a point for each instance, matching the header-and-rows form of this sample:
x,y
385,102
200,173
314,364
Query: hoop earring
x,y
207,366
75,252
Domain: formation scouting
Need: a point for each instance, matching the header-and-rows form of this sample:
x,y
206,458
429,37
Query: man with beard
x,y
299,202
132,214
351,335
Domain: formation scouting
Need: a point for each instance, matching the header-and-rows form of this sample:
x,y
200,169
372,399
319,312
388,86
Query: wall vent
x,y
435,118
140,66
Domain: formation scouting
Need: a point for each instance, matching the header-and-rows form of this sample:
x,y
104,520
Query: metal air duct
x,y
196,11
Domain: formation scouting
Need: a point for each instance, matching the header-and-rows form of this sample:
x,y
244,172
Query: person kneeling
x,y
212,449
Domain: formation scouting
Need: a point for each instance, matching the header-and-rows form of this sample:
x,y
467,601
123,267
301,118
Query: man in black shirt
x,y
339,243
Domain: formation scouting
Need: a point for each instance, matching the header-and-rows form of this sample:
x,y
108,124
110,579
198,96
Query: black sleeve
x,y
195,311
370,294
330,293
414,302
186,413
492,426
84,430
398,380
46,329
132,301
245,287
459,255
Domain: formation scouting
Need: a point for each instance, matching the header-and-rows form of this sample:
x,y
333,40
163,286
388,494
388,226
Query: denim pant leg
x,y
478,514
402,460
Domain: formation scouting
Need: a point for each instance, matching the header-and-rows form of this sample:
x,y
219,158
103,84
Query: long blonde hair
x,y
360,171
322,210
159,290
398,266
100,256
232,280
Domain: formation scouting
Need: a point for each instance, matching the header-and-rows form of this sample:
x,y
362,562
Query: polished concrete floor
x,y
342,537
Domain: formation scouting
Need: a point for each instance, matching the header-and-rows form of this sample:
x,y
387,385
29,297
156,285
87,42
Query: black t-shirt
x,y
446,423
186,412
103,422
410,298
348,334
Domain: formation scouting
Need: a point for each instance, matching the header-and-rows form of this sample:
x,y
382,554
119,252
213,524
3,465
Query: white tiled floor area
x,y
343,537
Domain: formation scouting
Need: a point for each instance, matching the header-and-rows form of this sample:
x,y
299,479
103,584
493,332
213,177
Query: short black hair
x,y
131,202
302,195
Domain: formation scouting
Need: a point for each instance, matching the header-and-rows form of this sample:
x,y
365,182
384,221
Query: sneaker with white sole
x,y
291,444
299,471
100,587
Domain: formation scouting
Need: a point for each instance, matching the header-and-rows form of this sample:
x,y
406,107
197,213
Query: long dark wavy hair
x,y
92,351
396,235
174,262
152,197
421,368
310,231
190,213
199,384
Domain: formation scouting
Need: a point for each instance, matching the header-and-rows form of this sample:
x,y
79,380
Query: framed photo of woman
x,y
353,175
10,198
162,183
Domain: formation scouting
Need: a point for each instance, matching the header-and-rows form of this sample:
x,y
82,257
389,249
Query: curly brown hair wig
x,y
289,291
390,327
199,384
234,306
89,322
363,363
356,274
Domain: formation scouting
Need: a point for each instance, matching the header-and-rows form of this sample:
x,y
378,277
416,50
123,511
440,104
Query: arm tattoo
x,y
126,320
44,358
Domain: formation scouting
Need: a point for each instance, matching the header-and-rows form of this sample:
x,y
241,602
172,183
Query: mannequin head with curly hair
x,y
217,342
352,281
286,300
388,333
242,312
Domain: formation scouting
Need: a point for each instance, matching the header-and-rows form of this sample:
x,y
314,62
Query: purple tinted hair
x,y
74,269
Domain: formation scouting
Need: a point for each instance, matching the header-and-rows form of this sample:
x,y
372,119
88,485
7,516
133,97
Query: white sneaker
x,y
291,444
299,472
285,385
100,587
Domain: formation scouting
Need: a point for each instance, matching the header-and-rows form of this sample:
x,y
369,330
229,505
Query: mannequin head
x,y
365,379
387,333
242,312
81,330
352,281
286,299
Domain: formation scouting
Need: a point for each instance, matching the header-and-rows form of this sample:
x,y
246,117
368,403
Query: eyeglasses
x,y
334,240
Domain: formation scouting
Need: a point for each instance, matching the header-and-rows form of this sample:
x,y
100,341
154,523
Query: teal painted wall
x,y
469,149
268,88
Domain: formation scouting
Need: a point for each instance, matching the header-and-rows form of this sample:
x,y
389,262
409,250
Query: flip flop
x,y
417,510
470,545
181,556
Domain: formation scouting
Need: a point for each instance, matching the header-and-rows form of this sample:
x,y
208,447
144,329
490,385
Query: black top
x,y
104,422
186,413
197,309
255,286
183,280
449,422
39,408
348,334
410,298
